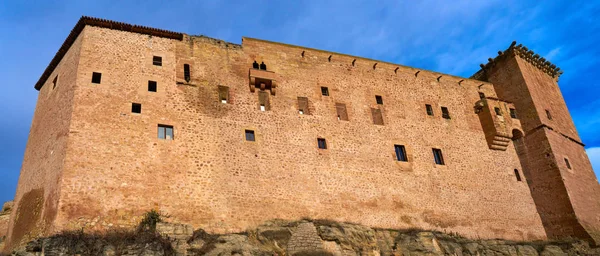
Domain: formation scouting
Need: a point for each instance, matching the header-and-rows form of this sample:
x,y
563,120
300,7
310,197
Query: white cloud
x,y
594,155
553,53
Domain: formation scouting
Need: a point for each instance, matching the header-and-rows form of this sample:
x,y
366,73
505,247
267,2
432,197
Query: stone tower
x,y
562,183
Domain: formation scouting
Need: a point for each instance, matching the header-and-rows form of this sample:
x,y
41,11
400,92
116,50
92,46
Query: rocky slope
x,y
304,237
4,218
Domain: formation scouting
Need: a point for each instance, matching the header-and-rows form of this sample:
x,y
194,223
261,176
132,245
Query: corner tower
x,y
563,185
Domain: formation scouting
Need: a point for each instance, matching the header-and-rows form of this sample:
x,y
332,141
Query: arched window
x,y
186,72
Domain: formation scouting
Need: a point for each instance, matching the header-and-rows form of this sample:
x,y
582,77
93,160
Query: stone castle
x,y
223,137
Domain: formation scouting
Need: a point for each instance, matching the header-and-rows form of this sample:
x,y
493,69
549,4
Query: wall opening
x,y
136,108
250,135
513,113
498,112
152,86
517,175
165,132
567,163
342,114
322,143
377,116
438,157
379,99
157,61
223,94
303,106
548,114
400,153
263,101
481,95
54,82
96,77
324,91
187,75
429,109
445,113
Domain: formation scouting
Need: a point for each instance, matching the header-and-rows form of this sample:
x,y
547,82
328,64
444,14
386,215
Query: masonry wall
x,y
36,198
209,176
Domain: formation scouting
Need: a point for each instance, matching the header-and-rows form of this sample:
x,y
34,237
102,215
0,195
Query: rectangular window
x,y
377,116
96,77
342,114
303,106
548,114
165,132
54,82
379,99
513,113
249,135
481,95
400,153
497,109
157,61
324,91
322,143
517,175
437,156
136,108
223,94
568,164
445,113
429,109
152,86
187,73
263,101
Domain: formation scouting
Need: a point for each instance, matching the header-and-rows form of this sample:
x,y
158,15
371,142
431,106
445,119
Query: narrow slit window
x,y
165,132
136,108
157,61
568,164
54,82
429,109
250,135
96,77
186,72
303,106
324,91
223,94
377,116
322,143
513,113
517,175
342,113
481,95
548,114
445,113
498,112
438,157
263,101
379,99
152,86
400,153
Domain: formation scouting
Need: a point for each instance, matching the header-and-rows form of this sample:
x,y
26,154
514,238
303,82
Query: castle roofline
x,y
525,54
103,23
96,22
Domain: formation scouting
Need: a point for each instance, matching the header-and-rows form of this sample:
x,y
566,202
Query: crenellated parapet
x,y
524,53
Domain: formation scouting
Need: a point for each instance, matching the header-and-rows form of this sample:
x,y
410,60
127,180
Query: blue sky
x,y
447,36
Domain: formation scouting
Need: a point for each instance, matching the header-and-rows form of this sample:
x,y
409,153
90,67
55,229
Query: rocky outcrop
x,y
4,218
300,238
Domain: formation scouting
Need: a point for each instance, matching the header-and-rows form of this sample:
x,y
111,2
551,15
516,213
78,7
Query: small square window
x,y
429,109
165,132
379,99
136,108
400,153
497,109
445,113
568,164
548,114
481,95
324,91
157,61
322,143
249,135
96,77
513,113
152,86
437,156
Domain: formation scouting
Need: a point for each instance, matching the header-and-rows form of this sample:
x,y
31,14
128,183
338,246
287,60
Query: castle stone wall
x,y
209,176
